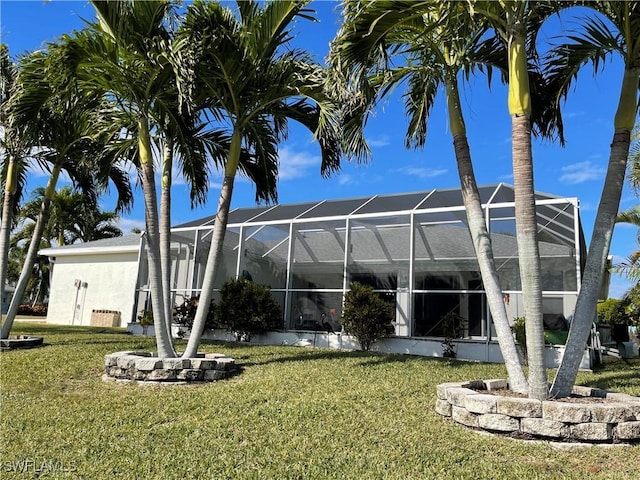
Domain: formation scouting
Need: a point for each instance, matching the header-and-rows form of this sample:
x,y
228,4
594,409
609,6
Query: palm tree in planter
x,y
516,24
66,125
254,83
617,34
130,55
125,55
436,43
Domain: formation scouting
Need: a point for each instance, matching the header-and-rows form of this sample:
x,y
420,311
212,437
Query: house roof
x,y
124,244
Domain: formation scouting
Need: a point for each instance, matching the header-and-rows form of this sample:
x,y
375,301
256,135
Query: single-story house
x,y
414,249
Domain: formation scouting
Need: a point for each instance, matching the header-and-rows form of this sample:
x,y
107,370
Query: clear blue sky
x,y
575,171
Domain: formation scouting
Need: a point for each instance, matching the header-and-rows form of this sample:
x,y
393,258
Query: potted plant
x,y
146,320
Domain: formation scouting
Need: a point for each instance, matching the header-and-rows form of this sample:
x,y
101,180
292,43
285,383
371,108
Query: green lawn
x,y
291,413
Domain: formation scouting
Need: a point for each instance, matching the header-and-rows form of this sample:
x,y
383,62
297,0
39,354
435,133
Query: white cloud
x,y
379,141
581,172
296,164
345,179
507,177
422,172
127,224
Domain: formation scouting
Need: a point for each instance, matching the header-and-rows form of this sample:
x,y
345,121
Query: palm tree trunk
x,y
528,254
519,102
7,218
32,253
585,311
165,231
481,239
163,337
217,242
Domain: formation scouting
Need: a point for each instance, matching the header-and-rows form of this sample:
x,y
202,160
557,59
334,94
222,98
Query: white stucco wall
x,y
107,281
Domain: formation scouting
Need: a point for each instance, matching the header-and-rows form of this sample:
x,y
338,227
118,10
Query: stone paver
x,y
519,407
498,423
591,431
147,368
566,412
544,428
614,418
481,403
463,416
629,431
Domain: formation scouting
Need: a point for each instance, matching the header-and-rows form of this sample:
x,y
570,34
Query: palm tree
x,y
435,55
516,24
73,218
13,172
46,101
124,55
618,35
254,84
130,54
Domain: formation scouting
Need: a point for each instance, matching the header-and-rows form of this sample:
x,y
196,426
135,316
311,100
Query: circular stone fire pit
x,y
21,341
591,415
147,367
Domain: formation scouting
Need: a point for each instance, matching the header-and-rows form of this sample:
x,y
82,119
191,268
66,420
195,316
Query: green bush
x,y
246,309
613,311
366,316
185,313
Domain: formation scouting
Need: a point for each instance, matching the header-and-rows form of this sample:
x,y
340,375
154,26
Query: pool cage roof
x,y
554,212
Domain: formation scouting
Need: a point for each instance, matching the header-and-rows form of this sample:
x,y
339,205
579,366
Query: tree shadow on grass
x,y
615,380
614,374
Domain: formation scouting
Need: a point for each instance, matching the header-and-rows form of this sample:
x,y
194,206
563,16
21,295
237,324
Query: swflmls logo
x,y
27,465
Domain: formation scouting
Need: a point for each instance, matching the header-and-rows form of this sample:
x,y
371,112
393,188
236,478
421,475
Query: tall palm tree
x,y
255,83
130,54
13,153
124,55
435,55
618,35
516,24
67,121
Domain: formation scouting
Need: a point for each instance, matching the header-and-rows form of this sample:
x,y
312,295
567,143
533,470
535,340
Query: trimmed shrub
x,y
366,316
246,309
185,313
613,312
33,310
